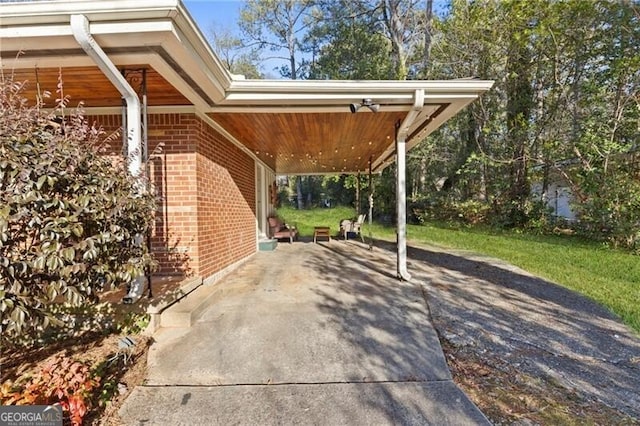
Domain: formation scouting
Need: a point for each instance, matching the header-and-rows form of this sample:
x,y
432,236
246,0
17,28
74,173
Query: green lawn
x,y
610,277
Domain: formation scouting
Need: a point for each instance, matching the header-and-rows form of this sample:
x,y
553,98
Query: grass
x,y
610,277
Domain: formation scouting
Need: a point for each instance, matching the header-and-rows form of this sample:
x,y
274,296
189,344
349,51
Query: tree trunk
x,y
300,197
519,105
396,30
427,36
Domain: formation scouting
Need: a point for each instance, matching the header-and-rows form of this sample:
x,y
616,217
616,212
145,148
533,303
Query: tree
x,y
280,26
233,54
565,103
403,24
69,214
345,46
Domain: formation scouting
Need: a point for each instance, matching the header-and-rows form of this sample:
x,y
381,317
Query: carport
x,y
146,67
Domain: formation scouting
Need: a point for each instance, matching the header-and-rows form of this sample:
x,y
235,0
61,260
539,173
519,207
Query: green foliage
x,y
69,213
60,381
444,209
133,323
611,210
349,50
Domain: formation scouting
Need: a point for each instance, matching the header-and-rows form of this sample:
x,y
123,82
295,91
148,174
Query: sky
x,y
222,12
225,13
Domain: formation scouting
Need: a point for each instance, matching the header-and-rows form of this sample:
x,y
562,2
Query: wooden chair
x,y
354,226
279,230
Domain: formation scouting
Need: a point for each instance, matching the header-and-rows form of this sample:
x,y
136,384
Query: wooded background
x,y
564,112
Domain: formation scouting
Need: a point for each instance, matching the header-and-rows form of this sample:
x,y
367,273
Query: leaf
x,y
68,253
41,181
77,230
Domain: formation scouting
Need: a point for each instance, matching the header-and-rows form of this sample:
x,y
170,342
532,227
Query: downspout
x,y
82,34
402,131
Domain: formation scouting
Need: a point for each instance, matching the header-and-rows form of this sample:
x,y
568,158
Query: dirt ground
x,y
508,396
118,380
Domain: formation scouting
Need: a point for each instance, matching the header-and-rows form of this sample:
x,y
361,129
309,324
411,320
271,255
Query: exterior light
x,y
365,102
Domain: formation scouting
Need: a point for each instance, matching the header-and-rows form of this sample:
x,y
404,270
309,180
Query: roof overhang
x,y
293,127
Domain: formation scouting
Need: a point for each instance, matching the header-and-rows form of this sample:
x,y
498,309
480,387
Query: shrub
x,y
611,209
69,213
441,208
60,381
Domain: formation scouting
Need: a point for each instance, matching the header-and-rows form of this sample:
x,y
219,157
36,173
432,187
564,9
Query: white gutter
x,y
401,183
82,34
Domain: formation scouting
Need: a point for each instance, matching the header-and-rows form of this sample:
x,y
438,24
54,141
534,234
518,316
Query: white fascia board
x,y
58,11
201,46
132,19
351,86
184,54
301,109
7,33
316,99
28,38
146,32
110,35
119,34
271,92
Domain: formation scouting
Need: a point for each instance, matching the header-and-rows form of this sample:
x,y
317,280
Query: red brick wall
x,y
226,201
206,186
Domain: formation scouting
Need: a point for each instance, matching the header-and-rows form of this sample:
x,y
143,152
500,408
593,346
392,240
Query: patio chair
x,y
352,226
279,230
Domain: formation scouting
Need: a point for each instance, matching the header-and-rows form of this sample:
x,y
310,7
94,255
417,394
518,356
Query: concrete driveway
x,y
307,334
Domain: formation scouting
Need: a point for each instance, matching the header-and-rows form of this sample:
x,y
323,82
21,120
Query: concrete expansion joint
x,y
234,385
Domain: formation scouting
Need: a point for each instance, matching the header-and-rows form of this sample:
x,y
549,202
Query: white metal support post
x,y
401,208
402,132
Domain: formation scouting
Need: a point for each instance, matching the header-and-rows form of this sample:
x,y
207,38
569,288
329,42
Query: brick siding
x,y
206,187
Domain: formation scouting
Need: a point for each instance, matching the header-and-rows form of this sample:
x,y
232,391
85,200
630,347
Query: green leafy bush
x,y
444,209
611,210
69,213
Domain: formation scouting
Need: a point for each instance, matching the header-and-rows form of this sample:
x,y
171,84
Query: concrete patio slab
x,y
433,403
323,332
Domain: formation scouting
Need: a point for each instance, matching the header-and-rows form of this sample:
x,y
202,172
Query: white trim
x,y
152,110
262,200
40,12
418,104
302,109
361,86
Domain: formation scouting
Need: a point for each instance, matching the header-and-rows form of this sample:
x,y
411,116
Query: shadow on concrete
x,y
387,324
542,328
